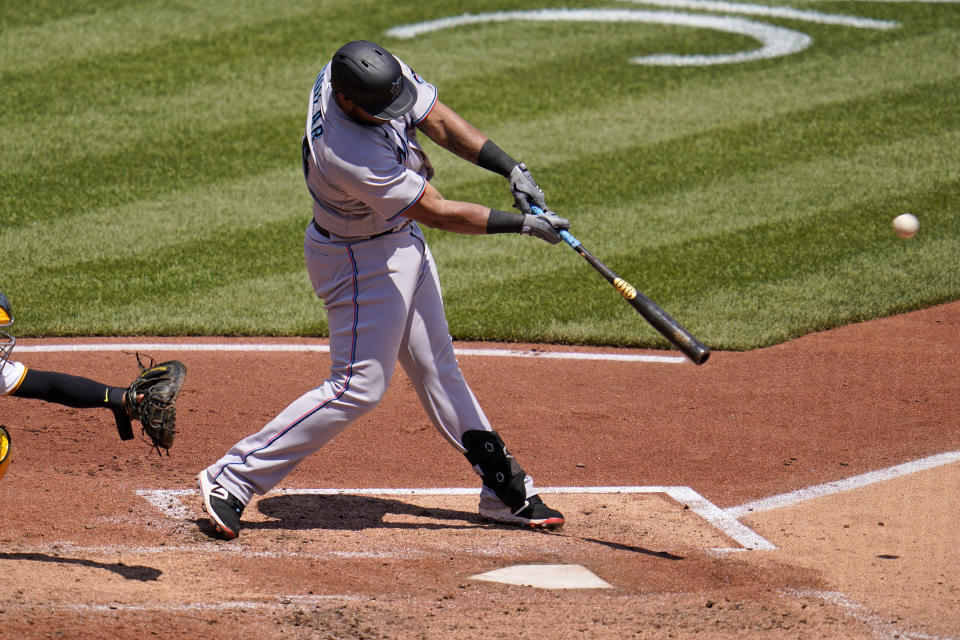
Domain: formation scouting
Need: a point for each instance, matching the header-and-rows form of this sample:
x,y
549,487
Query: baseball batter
x,y
367,259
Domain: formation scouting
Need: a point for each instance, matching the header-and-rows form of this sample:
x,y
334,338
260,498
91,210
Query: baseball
x,y
906,224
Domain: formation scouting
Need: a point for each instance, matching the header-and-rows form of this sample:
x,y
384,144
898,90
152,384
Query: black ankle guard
x,y
499,470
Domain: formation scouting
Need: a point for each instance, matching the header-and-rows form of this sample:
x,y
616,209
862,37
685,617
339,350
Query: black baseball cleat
x,y
222,507
536,515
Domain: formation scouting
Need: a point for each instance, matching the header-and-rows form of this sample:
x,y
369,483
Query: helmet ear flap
x,y
4,450
6,319
6,311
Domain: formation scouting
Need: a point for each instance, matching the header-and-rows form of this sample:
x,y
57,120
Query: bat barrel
x,y
670,329
696,351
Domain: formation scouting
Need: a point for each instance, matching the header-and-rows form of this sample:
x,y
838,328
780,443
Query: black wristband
x,y
504,222
493,158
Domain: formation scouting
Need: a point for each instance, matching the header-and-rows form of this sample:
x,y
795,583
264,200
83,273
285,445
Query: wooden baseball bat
x,y
650,310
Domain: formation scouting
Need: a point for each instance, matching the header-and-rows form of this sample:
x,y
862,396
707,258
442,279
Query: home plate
x,y
546,576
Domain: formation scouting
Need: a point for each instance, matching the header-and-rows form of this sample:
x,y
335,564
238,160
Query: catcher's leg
x,y
69,390
77,392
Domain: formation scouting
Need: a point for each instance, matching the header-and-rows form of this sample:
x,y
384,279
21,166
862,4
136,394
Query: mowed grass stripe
x,y
612,122
286,299
783,140
148,171
899,168
69,292
238,308
24,13
137,121
146,225
776,251
901,278
84,172
724,154
61,33
167,69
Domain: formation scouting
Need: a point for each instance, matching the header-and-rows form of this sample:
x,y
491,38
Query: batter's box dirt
x,y
326,524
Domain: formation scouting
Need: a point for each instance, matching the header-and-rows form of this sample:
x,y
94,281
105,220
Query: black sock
x,y
72,391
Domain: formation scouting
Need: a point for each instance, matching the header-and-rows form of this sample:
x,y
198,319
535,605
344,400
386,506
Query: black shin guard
x,y
499,470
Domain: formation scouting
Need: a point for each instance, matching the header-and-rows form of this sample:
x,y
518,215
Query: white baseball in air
x,y
906,224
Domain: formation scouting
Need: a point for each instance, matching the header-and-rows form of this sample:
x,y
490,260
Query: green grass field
x,y
151,180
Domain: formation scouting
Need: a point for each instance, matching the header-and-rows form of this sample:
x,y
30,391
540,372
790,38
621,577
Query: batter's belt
x,y
326,234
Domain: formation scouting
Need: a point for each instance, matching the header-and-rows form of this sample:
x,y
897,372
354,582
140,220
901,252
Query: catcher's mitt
x,y
152,399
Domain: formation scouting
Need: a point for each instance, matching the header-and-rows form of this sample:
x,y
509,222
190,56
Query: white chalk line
x,y
839,486
880,627
725,520
776,41
773,12
224,605
168,502
150,347
60,548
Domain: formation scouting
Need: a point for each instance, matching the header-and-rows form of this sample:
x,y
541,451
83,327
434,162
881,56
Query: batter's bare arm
x,y
450,215
468,218
449,130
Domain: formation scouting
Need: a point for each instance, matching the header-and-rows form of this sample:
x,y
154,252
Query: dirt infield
x,y
103,539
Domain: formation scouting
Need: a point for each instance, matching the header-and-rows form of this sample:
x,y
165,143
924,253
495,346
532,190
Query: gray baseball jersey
x,y
363,177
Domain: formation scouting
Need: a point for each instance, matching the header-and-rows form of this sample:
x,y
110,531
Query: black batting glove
x,y
525,190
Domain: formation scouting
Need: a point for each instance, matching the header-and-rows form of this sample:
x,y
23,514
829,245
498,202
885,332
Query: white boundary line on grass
x,y
323,348
168,502
789,13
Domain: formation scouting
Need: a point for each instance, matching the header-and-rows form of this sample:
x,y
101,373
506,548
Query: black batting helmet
x,y
371,77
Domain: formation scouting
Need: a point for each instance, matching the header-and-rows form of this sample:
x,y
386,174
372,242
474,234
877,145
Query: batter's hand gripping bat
x,y
650,310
